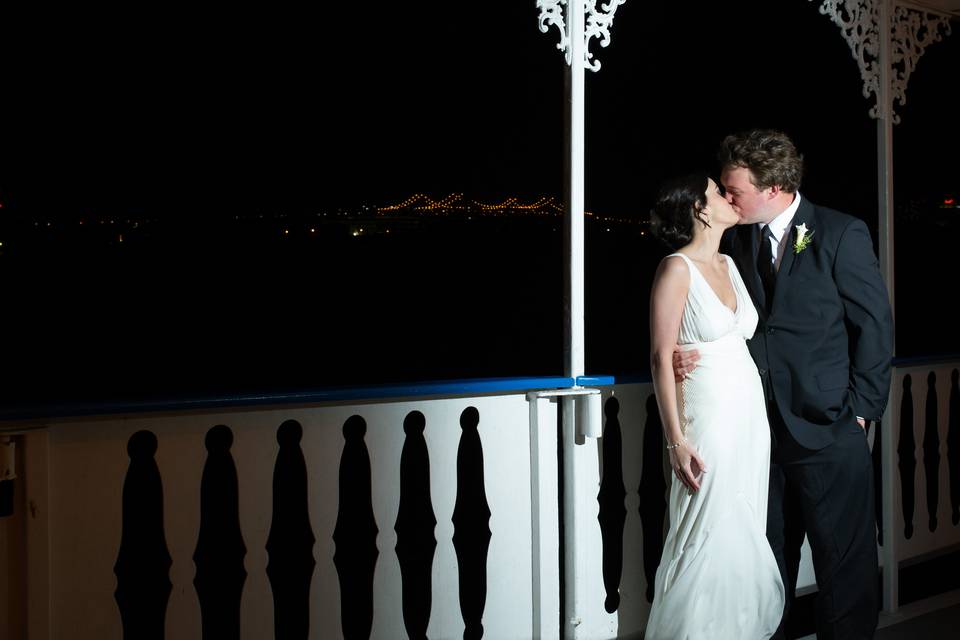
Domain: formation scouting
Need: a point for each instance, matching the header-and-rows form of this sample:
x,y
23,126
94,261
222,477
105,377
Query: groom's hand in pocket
x,y
684,362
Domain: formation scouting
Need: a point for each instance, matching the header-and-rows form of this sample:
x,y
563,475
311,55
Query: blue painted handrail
x,y
913,361
341,394
330,394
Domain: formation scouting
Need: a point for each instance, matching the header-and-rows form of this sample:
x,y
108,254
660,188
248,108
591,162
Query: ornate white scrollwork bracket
x,y
598,23
551,15
912,29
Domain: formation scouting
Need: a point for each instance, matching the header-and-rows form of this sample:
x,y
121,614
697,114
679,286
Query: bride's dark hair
x,y
679,202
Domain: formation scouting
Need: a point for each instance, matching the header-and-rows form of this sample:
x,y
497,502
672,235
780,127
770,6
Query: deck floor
x,y
933,618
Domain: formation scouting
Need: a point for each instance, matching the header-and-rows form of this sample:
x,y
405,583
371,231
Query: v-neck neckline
x,y
716,296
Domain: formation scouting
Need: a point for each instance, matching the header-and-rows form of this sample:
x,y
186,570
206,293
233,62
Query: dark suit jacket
x,y
825,348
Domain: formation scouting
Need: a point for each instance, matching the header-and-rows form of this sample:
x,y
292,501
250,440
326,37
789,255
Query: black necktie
x,y
765,266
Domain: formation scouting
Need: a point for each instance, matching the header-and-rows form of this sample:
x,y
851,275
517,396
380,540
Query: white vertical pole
x,y
544,513
885,149
574,169
536,561
885,201
571,575
573,306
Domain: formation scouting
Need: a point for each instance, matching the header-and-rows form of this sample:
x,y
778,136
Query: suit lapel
x,y
791,259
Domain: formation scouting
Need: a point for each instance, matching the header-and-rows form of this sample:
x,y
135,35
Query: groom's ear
x,y
773,191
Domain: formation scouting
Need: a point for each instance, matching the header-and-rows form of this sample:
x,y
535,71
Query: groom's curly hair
x,y
679,202
770,156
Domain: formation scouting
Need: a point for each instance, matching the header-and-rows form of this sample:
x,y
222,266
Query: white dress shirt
x,y
778,231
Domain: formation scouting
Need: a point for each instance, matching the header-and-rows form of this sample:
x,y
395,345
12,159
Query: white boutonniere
x,y
802,240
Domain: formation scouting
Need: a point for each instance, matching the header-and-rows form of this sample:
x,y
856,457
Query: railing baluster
x,y
415,528
931,451
143,562
953,447
653,488
355,534
220,548
471,522
291,539
612,513
906,451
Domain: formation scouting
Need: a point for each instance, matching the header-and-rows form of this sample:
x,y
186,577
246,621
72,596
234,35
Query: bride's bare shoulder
x,y
673,268
674,261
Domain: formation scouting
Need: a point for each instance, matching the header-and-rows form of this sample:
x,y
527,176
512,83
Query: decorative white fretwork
x,y
911,30
551,14
599,22
597,25
859,22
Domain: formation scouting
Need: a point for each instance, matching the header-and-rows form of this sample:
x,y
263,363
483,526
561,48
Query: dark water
x,y
188,311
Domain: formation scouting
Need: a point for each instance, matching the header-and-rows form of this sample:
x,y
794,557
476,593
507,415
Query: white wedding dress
x,y
718,578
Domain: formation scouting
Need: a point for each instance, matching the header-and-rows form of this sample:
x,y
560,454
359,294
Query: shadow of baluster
x,y
931,451
290,543
415,526
355,534
471,525
143,562
652,490
876,454
613,513
953,447
220,549
905,454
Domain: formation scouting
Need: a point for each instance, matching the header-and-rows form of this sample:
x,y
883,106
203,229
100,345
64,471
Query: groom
x,y
823,347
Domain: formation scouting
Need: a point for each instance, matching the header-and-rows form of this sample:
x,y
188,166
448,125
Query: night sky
x,y
173,109
191,114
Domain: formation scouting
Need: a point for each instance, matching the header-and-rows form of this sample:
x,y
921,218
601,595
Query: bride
x,y
717,577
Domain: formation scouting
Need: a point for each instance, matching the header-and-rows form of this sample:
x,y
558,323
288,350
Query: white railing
x,y
921,451
84,465
74,472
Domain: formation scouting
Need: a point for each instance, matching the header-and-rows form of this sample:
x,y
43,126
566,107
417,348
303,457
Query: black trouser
x,y
827,495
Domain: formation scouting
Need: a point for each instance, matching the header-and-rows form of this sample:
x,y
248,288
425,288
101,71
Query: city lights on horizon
x,y
457,202
408,214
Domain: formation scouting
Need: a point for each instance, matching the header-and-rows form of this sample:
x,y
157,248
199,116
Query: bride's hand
x,y
687,465
684,362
